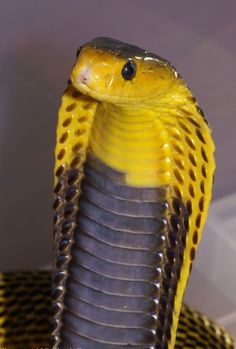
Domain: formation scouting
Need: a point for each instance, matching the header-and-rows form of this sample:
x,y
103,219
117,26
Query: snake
x,y
134,167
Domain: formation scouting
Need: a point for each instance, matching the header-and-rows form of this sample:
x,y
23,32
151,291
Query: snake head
x,y
112,71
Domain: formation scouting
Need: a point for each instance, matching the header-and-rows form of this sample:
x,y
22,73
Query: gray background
x,y
38,42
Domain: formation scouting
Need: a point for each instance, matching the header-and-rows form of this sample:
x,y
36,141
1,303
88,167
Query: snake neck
x,y
134,142
136,138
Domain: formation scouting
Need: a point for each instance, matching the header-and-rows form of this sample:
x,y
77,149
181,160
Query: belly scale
x,y
123,273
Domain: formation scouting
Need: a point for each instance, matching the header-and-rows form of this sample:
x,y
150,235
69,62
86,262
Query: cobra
x,y
133,180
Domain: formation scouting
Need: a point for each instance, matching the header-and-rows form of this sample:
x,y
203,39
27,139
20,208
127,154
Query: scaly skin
x,y
25,299
148,135
133,178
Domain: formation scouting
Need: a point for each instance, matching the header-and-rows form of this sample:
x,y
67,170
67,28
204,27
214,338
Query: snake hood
x,y
110,70
133,178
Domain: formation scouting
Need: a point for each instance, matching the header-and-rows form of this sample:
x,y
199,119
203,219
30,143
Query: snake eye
x,y
129,70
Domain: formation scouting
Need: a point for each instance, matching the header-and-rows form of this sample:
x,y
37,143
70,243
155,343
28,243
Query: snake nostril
x,y
84,75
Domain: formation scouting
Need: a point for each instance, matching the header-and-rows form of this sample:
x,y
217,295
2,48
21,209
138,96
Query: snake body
x,y
25,299
133,179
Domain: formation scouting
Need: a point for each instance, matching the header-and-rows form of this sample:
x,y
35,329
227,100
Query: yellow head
x,y
109,70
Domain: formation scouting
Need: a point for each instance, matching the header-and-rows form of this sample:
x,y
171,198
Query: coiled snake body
x,y
133,179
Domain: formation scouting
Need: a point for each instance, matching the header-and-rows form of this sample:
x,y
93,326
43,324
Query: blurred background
x,y
39,40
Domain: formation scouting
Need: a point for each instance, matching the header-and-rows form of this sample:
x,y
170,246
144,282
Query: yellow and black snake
x,y
133,180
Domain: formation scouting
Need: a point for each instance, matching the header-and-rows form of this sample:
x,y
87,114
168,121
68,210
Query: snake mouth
x,y
84,88
83,80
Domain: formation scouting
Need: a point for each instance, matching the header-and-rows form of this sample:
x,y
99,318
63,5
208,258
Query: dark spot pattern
x,y
71,107
61,154
64,137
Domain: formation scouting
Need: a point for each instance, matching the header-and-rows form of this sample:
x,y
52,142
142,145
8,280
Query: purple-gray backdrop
x,y
38,42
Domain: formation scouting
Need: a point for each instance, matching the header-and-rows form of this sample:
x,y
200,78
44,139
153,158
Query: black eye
x,y
129,70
